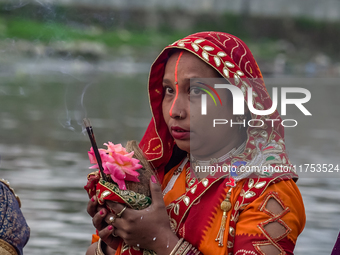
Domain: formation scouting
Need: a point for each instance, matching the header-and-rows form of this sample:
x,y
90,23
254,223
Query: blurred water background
x,y
61,63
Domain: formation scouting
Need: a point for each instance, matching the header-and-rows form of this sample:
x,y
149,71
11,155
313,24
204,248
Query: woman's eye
x,y
168,90
196,91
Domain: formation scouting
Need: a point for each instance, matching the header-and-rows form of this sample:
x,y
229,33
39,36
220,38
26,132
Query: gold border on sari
x,y
7,249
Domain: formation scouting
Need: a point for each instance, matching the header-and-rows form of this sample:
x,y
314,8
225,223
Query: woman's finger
x,y
156,193
110,218
99,219
118,208
92,206
106,234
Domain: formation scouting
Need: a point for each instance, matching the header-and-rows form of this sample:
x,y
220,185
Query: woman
x,y
14,231
230,213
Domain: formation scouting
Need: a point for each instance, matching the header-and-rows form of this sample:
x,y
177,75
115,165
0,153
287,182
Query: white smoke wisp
x,y
74,106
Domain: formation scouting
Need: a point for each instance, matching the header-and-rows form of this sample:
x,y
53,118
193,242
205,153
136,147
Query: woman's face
x,y
181,107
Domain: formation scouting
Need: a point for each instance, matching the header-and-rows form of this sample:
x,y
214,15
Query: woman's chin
x,y
190,147
183,145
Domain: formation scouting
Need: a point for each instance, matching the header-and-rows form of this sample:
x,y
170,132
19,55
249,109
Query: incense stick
x,y
89,130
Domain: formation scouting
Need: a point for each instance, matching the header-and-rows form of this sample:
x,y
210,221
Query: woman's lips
x,y
180,133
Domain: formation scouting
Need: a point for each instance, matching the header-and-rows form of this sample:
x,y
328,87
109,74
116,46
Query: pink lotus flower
x,y
118,163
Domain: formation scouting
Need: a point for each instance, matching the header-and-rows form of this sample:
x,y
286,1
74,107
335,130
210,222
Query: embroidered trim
x,y
252,189
174,178
274,218
12,190
6,248
243,252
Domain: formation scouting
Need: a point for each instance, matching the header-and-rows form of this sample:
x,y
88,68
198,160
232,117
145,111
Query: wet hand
x,y
148,228
101,219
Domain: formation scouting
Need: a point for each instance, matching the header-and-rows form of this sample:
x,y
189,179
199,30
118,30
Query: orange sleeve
x,y
178,188
254,229
95,238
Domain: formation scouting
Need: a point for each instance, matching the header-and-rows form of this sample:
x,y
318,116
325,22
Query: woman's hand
x,y
148,228
100,218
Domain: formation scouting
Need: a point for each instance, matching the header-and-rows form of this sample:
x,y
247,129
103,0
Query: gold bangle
x,y
187,249
182,248
180,241
99,248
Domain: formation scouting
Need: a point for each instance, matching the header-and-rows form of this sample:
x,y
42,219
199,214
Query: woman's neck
x,y
229,148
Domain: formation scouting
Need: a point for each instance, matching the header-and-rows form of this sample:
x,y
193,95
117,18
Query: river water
x,y
44,152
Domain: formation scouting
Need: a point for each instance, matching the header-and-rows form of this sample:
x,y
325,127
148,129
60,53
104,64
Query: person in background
x,y
336,248
14,231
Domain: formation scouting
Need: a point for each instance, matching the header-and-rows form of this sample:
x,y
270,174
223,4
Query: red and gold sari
x,y
194,207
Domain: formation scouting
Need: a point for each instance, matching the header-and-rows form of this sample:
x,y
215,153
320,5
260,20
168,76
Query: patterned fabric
x,y
111,192
246,223
14,229
194,206
252,232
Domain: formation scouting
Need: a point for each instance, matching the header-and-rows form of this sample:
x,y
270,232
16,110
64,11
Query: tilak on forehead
x,y
176,82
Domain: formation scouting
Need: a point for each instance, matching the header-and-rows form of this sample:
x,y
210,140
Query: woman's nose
x,y
179,108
